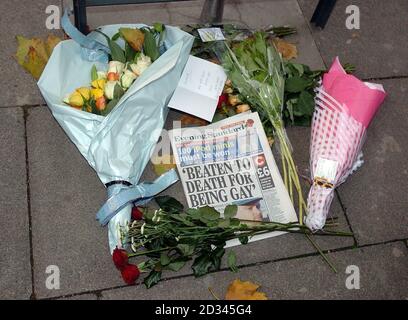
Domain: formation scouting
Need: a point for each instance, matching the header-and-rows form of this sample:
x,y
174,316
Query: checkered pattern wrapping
x,y
336,136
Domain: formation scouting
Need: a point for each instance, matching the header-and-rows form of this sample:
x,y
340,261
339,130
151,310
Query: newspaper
x,y
230,162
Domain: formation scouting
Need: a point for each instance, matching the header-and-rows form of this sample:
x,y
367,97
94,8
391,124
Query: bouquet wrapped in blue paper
x,y
109,92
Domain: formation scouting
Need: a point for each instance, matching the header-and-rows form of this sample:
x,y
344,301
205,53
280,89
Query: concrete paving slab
x,y
375,197
377,49
258,14
25,18
379,268
15,267
65,195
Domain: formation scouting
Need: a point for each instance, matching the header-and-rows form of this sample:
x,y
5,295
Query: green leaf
x,y
130,53
169,204
202,265
208,261
193,213
186,249
116,36
117,53
243,239
150,47
296,84
158,27
224,223
152,279
305,104
230,211
137,55
164,259
235,222
209,213
176,265
232,261
118,92
182,219
109,107
94,73
218,116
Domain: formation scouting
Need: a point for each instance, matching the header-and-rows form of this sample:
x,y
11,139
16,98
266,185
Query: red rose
x,y
222,100
130,273
137,214
120,258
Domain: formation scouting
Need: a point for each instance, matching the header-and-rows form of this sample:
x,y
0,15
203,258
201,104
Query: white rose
x,y
66,98
127,78
143,62
116,67
109,89
101,75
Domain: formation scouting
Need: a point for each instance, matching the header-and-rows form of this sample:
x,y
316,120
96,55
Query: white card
x,y
326,169
210,34
199,88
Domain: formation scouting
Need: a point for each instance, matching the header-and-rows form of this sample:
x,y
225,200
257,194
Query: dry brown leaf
x,y
134,37
188,120
288,50
163,164
244,290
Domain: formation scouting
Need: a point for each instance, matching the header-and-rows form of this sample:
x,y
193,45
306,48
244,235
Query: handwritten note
x,y
199,88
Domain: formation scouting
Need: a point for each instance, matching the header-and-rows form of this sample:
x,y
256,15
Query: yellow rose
x,y
96,93
76,100
84,92
242,108
99,84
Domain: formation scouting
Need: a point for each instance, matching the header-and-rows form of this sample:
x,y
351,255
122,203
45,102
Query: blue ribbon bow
x,y
119,195
91,49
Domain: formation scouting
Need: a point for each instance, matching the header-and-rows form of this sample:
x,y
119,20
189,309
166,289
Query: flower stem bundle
x,y
256,70
171,236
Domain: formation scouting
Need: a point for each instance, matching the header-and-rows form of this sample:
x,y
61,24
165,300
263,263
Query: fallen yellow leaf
x,y
163,164
51,42
33,54
244,290
288,50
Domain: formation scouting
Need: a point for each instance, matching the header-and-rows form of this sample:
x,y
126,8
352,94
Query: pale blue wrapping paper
x,y
119,145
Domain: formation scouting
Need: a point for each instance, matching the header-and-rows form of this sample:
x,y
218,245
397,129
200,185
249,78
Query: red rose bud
x,y
130,273
120,258
137,214
222,100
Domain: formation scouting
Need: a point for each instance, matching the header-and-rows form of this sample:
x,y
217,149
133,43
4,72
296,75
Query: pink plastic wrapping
x,y
345,107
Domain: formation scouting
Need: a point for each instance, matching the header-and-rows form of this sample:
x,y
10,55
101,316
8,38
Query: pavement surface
x,y
49,194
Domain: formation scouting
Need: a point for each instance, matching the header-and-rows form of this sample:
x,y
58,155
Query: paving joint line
x,y
99,292
344,209
386,78
312,34
26,106
28,190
